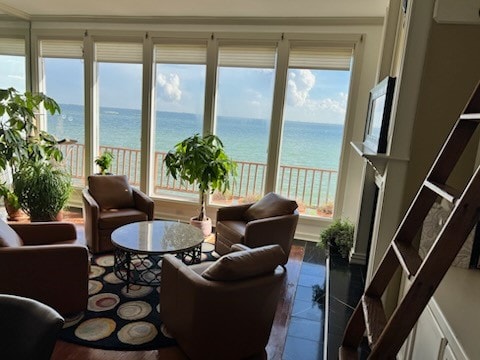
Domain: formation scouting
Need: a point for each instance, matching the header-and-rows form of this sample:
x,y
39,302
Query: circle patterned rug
x,y
117,319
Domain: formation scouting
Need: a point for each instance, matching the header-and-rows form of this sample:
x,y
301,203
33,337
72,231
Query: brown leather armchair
x,y
108,203
41,261
28,328
271,220
222,310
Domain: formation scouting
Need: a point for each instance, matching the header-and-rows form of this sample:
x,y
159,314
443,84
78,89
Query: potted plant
x,y
43,189
20,139
201,161
104,162
338,237
12,206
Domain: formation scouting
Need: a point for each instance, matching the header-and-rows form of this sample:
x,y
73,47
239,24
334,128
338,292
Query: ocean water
x,y
304,144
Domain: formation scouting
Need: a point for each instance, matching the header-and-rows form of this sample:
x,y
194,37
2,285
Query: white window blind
x,y
12,46
247,56
117,52
331,58
72,49
181,53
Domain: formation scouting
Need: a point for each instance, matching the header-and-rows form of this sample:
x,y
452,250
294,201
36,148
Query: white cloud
x,y
336,105
300,83
17,77
170,87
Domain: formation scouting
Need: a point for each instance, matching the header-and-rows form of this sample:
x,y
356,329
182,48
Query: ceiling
x,y
28,9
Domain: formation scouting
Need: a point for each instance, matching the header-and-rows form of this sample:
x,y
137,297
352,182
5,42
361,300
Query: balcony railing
x,y
313,188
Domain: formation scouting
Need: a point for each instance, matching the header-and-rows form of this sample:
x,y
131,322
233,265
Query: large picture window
x,y
57,59
119,91
314,117
246,77
179,84
228,85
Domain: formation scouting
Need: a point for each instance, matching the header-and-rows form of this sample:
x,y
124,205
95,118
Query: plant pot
x,y
205,226
13,214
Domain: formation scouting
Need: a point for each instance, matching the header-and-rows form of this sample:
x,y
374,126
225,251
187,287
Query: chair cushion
x,y
245,264
8,236
231,229
270,205
111,191
112,219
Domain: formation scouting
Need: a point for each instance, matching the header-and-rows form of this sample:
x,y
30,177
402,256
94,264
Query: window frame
x,y
356,39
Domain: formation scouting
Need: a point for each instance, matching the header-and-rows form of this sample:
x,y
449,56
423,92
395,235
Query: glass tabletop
x,y
157,236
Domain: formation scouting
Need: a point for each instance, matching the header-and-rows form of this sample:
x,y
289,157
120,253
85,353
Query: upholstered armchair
x,y
108,203
271,220
28,328
41,261
223,309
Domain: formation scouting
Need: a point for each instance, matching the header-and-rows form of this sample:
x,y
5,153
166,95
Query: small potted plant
x,y
201,161
338,237
10,200
104,162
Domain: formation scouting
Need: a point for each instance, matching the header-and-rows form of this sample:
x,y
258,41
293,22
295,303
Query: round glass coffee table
x,y
140,246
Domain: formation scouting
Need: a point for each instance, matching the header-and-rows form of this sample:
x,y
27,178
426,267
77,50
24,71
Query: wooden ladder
x,y
386,336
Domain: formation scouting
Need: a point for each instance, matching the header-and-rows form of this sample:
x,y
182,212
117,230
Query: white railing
x,y
313,188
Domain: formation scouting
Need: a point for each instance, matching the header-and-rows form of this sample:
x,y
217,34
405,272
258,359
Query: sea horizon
x,y
309,144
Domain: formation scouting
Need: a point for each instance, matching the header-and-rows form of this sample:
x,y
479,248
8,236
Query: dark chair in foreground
x,y
223,310
271,220
108,203
28,328
41,261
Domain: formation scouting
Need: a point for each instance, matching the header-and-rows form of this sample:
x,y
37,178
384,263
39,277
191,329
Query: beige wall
x,y
451,72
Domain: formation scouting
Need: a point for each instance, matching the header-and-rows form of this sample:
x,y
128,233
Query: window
x,y
12,63
61,71
314,117
119,89
223,83
245,81
180,71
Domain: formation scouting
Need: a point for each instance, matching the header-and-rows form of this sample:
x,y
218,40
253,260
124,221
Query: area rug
x,y
116,319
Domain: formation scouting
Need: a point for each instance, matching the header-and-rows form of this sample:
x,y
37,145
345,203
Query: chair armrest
x,y
275,230
143,203
91,215
43,233
239,247
232,212
89,202
42,258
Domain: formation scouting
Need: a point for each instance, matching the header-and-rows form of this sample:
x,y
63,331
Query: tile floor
x,y
346,285
305,336
305,332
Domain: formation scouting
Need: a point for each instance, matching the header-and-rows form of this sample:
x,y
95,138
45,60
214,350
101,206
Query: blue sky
x,y
312,95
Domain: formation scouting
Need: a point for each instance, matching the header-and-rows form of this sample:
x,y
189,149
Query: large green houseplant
x,y
201,161
20,139
43,189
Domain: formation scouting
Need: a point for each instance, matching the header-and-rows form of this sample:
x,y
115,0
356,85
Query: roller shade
x,y
12,46
181,53
247,56
72,49
332,58
117,52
